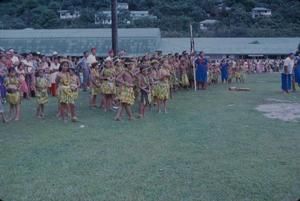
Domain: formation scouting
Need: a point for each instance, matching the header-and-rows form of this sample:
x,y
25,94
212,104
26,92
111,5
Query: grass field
x,y
212,145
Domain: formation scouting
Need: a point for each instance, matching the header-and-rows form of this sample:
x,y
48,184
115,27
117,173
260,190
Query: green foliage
x,y
30,4
174,16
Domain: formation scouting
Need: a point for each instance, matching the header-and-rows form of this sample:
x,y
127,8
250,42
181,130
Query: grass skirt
x,y
127,95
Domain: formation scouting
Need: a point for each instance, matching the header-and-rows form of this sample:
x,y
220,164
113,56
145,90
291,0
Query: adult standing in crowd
x,y
297,70
201,71
3,73
92,57
224,67
14,59
54,68
84,67
286,74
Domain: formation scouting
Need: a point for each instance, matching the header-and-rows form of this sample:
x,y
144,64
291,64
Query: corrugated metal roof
x,y
137,42
75,41
209,21
233,45
84,33
260,9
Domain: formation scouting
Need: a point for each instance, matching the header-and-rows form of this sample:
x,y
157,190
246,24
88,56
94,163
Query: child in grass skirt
x,y
154,80
119,68
74,85
215,75
12,85
237,74
126,80
42,84
108,87
243,74
164,87
65,95
127,95
145,90
23,85
184,76
95,84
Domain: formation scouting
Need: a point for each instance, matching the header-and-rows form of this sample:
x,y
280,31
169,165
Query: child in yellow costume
x,y
164,87
237,75
184,81
12,85
126,80
242,75
119,67
154,80
108,87
42,84
95,84
65,95
145,90
74,85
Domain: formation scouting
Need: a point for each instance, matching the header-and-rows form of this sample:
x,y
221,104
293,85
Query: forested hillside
x,y
174,16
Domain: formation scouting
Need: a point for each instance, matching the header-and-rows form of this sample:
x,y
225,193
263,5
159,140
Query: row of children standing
x,y
118,81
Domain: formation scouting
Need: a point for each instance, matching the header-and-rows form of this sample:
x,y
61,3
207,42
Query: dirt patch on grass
x,y
277,100
279,110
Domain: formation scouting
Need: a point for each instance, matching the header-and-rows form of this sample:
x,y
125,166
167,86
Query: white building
x,y
206,24
135,15
103,17
261,12
67,14
122,6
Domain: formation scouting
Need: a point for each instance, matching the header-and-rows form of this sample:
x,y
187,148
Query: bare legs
x,y
108,99
2,117
201,85
164,103
142,110
93,101
14,111
73,112
63,111
128,110
40,111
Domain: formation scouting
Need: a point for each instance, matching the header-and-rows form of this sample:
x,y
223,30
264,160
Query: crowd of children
x,y
114,83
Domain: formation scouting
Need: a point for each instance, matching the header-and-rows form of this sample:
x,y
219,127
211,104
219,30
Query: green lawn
x,y
213,145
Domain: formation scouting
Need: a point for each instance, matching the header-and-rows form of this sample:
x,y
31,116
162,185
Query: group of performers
x,y
115,83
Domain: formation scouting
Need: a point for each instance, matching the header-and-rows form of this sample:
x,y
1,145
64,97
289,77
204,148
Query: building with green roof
x,y
234,46
138,42
75,41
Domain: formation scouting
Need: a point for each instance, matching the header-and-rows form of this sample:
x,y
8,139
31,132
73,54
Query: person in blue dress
x,y
201,64
224,67
297,70
286,73
3,73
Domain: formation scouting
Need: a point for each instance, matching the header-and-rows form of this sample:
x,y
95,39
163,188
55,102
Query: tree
x,y
30,4
54,5
174,16
124,17
144,23
50,19
87,15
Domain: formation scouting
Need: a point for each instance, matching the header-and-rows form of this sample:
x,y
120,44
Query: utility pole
x,y
114,26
